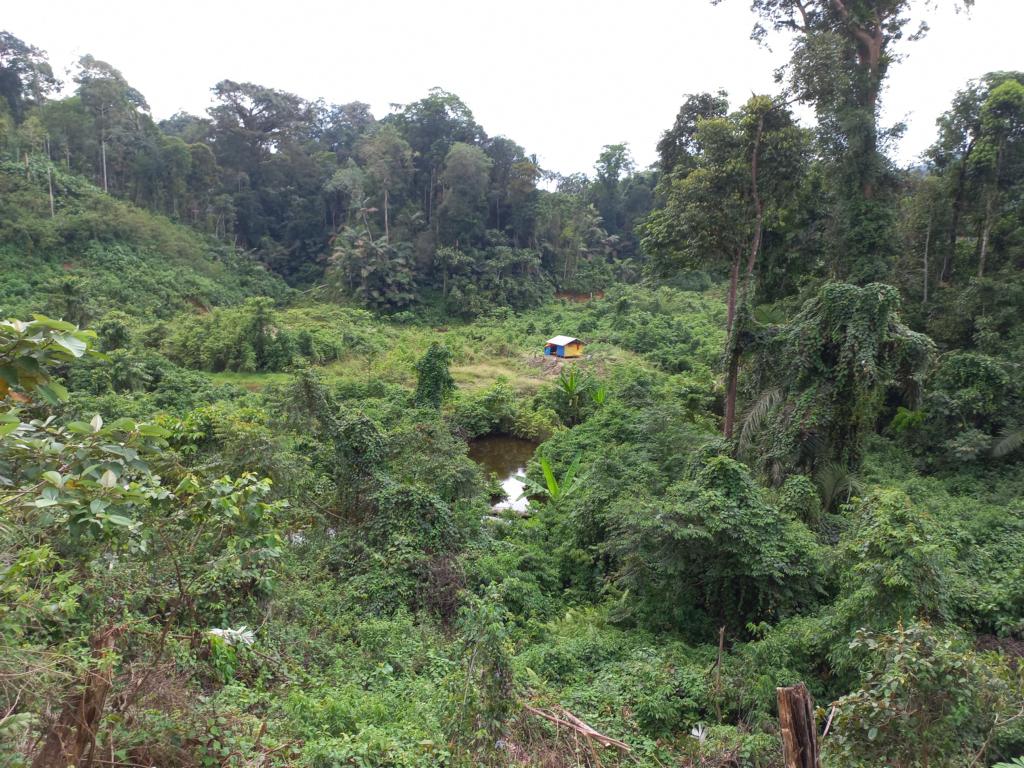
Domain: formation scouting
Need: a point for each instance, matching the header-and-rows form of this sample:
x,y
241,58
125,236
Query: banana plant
x,y
552,490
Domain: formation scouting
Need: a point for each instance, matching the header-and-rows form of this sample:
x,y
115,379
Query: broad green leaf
x,y
53,393
119,520
549,477
57,325
70,343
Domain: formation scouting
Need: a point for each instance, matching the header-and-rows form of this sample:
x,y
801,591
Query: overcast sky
x,y
561,77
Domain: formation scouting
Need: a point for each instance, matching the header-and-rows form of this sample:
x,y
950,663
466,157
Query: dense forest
x,y
249,361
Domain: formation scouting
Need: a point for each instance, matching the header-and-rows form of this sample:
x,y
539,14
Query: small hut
x,y
563,346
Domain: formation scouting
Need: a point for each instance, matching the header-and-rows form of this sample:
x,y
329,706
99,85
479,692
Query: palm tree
x,y
836,483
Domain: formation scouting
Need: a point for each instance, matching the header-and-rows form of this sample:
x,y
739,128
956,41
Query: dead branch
x,y
568,720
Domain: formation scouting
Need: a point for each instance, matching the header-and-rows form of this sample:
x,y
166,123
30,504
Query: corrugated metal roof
x,y
561,341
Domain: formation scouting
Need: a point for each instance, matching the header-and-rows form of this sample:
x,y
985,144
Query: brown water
x,y
506,457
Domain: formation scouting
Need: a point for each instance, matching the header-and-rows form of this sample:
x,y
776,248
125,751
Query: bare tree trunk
x,y
73,737
927,244
49,181
718,674
733,371
734,279
799,731
430,197
103,153
755,156
387,230
986,232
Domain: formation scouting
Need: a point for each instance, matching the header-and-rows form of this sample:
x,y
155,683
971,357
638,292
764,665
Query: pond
x,y
506,457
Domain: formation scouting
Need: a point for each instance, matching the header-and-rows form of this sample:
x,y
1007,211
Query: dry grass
x,y
481,375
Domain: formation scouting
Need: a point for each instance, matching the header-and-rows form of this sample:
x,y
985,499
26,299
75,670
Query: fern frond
x,y
1009,441
756,416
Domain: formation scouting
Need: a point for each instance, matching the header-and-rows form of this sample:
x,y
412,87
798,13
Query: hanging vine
x,y
828,370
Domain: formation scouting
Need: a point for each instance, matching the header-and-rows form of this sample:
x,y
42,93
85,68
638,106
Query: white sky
x,y
560,77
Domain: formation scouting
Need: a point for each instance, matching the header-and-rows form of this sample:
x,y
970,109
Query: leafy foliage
x,y
433,380
925,700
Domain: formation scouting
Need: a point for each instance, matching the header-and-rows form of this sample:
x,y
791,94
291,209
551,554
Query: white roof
x,y
561,341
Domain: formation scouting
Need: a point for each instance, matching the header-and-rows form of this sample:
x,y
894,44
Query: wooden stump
x,y
71,740
799,731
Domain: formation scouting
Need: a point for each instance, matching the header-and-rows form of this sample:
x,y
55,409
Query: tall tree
x,y
465,178
613,166
841,55
431,126
25,74
978,154
739,175
1002,145
116,108
387,159
677,143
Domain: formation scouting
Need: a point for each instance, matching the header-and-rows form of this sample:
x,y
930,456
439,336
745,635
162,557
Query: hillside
x,y
97,253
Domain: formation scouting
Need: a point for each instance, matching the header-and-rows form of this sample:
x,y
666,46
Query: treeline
x,y
421,199
779,210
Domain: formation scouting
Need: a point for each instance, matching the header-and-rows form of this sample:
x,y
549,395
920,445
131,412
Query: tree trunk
x,y
733,371
870,41
990,204
986,232
734,279
799,731
927,244
387,230
73,736
49,181
430,197
871,59
958,208
755,156
103,154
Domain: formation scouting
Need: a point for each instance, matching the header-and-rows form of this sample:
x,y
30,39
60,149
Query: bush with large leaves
x,y
111,552
712,551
